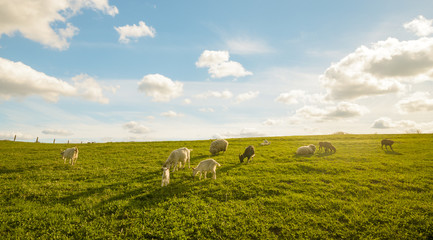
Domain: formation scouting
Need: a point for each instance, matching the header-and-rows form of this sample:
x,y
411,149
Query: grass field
x,y
114,191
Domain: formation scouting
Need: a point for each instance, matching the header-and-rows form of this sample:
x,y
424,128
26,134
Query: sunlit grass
x,y
114,191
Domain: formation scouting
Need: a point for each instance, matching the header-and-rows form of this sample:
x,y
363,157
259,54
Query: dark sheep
x,y
248,153
387,142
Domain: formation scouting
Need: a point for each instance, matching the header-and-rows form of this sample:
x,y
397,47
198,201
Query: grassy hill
x,y
114,191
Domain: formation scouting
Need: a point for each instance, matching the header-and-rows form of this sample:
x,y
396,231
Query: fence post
x,y
15,137
54,141
37,139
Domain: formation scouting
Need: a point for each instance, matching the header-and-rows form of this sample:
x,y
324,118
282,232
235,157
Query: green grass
x,y
114,191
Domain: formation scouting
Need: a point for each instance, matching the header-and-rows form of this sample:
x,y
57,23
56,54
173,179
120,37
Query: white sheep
x,y
305,150
208,165
265,143
165,176
218,146
71,154
178,157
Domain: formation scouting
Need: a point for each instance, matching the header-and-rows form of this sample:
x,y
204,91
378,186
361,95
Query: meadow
x,y
114,191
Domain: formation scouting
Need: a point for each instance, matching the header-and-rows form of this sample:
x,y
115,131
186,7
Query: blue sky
x,y
98,70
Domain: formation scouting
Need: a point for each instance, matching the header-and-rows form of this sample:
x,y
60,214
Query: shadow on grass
x,y
324,154
392,152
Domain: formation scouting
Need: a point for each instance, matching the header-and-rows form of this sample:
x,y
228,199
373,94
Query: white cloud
x,y
20,80
418,102
219,64
37,20
421,26
408,126
384,68
187,101
342,110
89,89
19,136
247,46
171,114
136,128
247,96
127,32
291,97
226,94
160,88
59,132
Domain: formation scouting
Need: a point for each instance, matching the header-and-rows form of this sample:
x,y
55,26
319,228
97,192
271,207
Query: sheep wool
x,y
208,165
306,150
71,154
178,157
218,146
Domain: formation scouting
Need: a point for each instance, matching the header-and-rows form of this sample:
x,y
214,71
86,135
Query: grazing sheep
x,y
208,165
305,150
387,142
265,143
327,146
71,154
165,176
178,157
248,153
218,146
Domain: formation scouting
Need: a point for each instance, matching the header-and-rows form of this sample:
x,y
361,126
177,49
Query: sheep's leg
x,y
205,174
391,148
214,174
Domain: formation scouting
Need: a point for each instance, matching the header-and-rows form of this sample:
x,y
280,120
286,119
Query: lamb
x,y
218,146
248,153
305,150
71,154
178,157
265,143
387,142
327,146
208,165
165,176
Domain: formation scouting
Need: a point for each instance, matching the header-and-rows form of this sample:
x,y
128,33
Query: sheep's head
x,y
194,172
312,147
241,158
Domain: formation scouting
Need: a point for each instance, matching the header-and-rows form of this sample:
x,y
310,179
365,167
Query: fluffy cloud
x,y
418,102
37,20
226,94
171,114
160,88
207,110
383,68
88,88
343,110
402,125
59,132
20,80
136,128
127,32
421,26
219,64
290,97
247,96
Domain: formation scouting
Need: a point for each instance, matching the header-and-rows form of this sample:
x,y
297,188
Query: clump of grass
x,y
114,191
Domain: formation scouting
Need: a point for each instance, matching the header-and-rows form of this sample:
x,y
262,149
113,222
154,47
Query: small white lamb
x,y
265,143
208,165
178,157
305,150
165,176
71,154
218,146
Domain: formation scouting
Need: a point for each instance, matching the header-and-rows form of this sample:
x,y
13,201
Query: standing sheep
x,y
387,142
71,154
306,150
165,176
248,153
218,146
208,165
177,157
327,146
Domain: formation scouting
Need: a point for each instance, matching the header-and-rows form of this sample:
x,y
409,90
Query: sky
x,y
153,70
